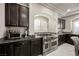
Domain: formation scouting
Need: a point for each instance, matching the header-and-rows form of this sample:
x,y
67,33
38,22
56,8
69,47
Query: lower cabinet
x,y
2,50
27,48
61,39
36,47
18,49
22,48
6,49
32,47
66,38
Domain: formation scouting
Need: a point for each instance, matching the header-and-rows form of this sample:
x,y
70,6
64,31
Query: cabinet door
x,y
22,48
24,16
7,14
11,10
63,24
36,47
18,48
14,14
3,50
61,39
27,48
6,49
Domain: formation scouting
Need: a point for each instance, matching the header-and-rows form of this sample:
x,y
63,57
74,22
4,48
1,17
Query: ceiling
x,y
66,6
62,8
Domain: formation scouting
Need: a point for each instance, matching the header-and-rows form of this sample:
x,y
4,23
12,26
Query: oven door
x,y
54,43
46,46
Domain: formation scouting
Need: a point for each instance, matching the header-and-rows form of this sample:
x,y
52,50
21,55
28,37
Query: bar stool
x,y
76,44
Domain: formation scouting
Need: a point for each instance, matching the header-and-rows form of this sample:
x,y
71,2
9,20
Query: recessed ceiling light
x,y
68,10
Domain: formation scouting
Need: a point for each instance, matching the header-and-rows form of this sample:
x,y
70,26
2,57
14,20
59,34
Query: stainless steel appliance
x,y
50,41
46,44
13,34
50,44
54,43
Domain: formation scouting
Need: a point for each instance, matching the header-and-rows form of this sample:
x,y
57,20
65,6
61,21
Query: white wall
x,y
68,26
36,9
2,20
69,22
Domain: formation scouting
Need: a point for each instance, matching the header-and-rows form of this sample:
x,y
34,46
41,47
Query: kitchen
x,y
33,29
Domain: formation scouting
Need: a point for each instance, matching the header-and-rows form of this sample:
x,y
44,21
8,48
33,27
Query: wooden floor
x,y
63,50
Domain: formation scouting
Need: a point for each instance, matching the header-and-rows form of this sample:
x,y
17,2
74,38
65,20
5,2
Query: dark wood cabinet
x,y
3,50
22,48
16,15
24,16
6,49
61,39
7,15
36,47
31,47
11,14
61,23
18,48
66,38
27,48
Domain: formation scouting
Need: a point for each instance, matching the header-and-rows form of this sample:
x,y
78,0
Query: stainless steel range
x,y
50,41
50,44
46,44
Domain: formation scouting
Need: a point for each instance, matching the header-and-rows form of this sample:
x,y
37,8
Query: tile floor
x,y
63,50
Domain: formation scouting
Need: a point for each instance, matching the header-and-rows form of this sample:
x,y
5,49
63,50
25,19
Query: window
x,y
76,26
41,24
36,25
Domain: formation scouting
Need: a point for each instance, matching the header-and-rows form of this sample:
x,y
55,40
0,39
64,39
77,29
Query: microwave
x,y
13,35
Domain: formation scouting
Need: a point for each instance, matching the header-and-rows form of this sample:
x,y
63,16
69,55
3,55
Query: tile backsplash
x,y
19,29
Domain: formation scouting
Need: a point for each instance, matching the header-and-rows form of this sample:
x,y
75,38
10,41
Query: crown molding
x,y
53,8
70,15
61,13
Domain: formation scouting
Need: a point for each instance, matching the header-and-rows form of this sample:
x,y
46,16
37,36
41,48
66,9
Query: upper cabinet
x,y
23,16
61,23
16,15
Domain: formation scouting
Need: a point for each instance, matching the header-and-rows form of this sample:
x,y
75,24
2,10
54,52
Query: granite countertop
x,y
69,33
3,40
